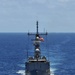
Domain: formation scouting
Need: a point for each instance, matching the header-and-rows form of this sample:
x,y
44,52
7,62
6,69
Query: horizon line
x,y
35,32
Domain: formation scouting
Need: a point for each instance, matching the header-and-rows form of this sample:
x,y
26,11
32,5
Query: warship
x,y
37,64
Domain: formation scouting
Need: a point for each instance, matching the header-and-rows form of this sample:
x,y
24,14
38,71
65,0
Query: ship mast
x,y
37,26
37,41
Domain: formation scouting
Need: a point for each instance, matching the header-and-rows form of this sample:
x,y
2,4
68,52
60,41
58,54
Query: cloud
x,y
38,1
63,1
48,1
52,3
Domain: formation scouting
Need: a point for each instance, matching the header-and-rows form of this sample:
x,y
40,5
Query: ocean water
x,y
59,48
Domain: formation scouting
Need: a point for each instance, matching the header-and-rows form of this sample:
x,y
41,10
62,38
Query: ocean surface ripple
x,y
59,48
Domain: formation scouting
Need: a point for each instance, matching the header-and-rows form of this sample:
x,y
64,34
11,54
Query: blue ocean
x,y
59,48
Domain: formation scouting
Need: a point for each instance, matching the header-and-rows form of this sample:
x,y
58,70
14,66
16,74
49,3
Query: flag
x,y
41,39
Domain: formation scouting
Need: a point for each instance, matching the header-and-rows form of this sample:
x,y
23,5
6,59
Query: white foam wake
x,y
52,71
22,72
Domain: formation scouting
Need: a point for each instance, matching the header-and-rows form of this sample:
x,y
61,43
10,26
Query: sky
x,y
53,15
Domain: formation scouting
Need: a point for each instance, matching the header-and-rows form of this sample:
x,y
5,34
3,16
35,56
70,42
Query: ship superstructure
x,y
37,65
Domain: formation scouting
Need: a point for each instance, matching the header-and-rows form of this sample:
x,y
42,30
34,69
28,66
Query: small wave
x,y
21,65
66,41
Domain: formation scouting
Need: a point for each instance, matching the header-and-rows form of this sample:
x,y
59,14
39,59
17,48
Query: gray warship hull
x,y
37,68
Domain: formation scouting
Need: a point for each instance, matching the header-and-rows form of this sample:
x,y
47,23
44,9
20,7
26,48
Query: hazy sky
x,y
21,15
